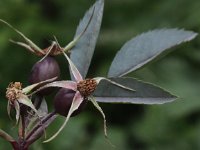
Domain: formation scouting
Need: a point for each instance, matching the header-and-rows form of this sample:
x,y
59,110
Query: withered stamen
x,y
87,87
56,50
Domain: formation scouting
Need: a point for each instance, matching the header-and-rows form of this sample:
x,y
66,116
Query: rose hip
x,y
46,69
63,101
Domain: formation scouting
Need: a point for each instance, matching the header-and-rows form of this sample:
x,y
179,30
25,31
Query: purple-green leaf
x,y
145,47
145,93
82,52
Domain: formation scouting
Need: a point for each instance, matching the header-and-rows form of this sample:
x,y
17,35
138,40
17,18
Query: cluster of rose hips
x,y
43,72
32,114
46,69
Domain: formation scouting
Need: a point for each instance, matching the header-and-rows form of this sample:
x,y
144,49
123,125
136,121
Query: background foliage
x,y
170,126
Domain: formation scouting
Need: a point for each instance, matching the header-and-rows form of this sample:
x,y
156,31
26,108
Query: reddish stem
x,y
17,146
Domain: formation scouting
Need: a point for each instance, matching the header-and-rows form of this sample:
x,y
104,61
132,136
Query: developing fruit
x,y
43,70
63,101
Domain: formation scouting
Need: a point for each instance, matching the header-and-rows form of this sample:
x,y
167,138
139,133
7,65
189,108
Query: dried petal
x,y
30,43
98,79
102,113
29,88
63,84
73,69
17,109
26,101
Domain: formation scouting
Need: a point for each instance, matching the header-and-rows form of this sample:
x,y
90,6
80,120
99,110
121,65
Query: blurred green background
x,y
174,126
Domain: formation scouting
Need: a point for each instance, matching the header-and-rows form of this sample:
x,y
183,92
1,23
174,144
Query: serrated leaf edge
x,y
145,62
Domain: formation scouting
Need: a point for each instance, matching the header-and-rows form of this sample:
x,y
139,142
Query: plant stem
x,y
39,129
23,127
21,146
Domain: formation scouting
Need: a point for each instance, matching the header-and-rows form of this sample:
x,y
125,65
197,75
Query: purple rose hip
x,y
46,69
63,101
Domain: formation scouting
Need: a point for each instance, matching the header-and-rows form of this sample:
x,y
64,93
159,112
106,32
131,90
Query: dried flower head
x,y
17,96
86,87
14,91
53,50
